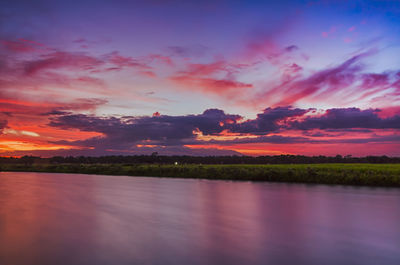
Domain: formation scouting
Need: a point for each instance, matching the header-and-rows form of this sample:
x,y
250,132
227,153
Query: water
x,y
81,219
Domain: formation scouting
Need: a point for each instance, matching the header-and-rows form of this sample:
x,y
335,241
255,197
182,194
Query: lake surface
x,y
63,219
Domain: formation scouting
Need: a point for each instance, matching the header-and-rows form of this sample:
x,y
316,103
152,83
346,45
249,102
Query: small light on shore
x,y
176,163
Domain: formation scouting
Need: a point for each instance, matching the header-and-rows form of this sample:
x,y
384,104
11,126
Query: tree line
x,y
161,159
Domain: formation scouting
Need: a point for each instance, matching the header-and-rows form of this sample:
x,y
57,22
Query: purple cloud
x,y
164,132
163,129
346,118
267,121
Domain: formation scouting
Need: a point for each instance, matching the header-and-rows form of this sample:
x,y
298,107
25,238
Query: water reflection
x,y
80,219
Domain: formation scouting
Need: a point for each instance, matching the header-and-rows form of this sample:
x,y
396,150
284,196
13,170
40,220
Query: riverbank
x,y
387,175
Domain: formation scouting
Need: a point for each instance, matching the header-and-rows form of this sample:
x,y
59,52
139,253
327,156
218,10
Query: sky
x,y
97,77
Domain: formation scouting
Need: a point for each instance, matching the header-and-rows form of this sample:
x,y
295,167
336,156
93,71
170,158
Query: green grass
x,y
343,174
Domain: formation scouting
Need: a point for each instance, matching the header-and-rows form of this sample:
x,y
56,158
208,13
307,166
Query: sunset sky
x,y
199,77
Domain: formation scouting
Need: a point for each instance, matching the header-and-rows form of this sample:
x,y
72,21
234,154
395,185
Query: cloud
x,y
290,72
164,130
157,129
352,28
27,107
3,125
296,85
330,32
148,74
20,133
346,118
215,78
329,80
291,48
377,139
227,88
119,61
83,104
17,46
214,129
273,139
224,79
80,61
267,121
161,58
56,60
280,139
371,80
22,46
263,42
206,69
90,81
187,51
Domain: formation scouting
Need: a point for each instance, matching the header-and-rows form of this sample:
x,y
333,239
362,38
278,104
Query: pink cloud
x,y
162,58
206,69
330,80
125,61
268,49
330,32
291,71
148,74
55,60
223,87
353,28
347,40
23,46
389,112
90,80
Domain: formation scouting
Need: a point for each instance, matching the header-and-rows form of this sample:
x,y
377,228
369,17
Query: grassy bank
x,y
343,174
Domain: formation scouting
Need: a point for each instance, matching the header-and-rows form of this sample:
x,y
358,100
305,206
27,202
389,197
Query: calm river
x,y
63,219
